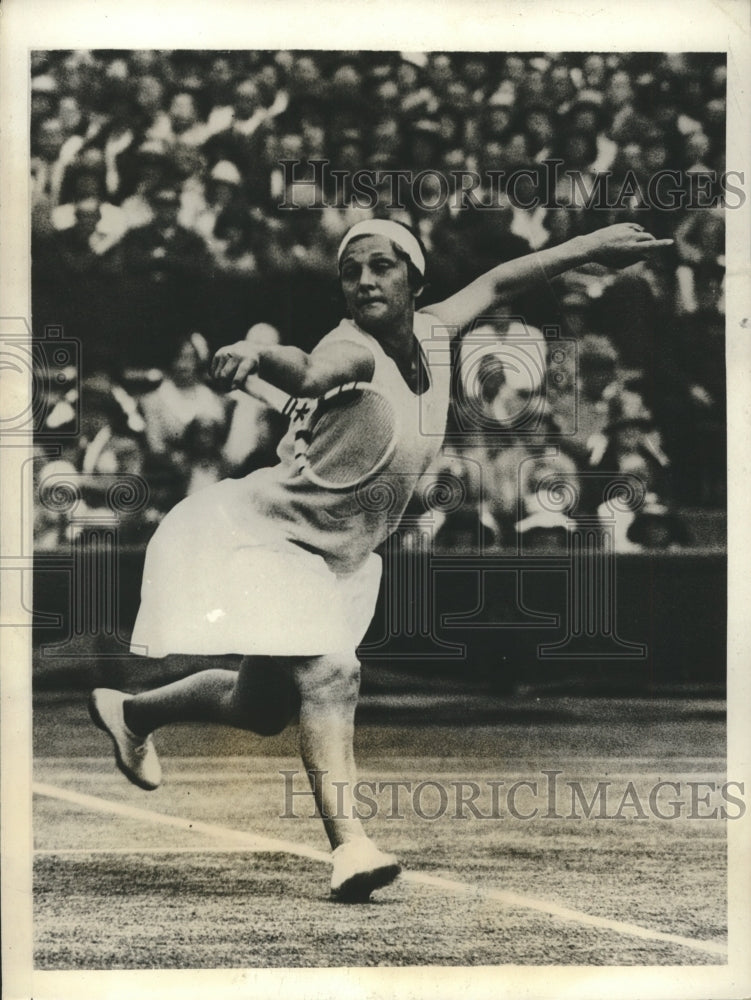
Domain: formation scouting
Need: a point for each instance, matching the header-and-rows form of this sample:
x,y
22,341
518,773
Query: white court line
x,y
254,842
248,841
568,914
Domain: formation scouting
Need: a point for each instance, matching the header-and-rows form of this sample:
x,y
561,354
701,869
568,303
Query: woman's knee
x,y
334,678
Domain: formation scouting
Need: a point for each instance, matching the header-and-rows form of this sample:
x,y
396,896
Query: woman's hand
x,y
231,365
621,245
615,246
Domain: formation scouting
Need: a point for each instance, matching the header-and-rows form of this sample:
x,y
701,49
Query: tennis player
x,y
282,571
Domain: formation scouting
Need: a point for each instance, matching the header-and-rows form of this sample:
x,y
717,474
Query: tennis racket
x,y
342,439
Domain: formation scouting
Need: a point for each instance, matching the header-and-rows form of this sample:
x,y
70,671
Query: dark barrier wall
x,y
637,622
660,619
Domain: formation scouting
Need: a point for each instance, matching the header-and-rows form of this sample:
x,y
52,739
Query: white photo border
x,y
503,25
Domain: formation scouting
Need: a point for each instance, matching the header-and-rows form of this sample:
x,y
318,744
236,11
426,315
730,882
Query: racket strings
x,y
351,438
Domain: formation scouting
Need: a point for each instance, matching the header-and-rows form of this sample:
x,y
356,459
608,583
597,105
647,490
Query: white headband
x,y
392,231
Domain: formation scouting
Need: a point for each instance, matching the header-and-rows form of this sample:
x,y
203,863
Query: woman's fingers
x,y
225,367
633,231
653,243
218,363
232,368
245,368
640,236
225,370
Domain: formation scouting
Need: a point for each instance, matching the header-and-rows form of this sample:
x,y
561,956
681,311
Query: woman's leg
x,y
260,696
263,696
329,687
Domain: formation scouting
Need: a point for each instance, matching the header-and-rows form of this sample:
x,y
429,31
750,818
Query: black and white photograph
x,y
374,515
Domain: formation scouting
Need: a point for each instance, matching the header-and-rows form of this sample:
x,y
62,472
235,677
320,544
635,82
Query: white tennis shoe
x,y
136,757
359,868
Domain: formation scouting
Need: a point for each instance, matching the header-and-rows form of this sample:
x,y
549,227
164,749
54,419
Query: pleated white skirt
x,y
219,579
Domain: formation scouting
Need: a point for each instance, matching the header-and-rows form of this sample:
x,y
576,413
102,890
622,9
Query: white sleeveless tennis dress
x,y
274,565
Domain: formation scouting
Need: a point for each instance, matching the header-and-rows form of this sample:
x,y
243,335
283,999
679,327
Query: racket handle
x,y
269,394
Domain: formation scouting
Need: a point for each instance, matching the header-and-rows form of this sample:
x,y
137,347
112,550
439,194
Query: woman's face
x,y
375,283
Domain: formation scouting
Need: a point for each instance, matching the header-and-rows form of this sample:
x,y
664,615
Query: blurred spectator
x,y
75,279
149,97
148,170
619,99
181,124
344,91
630,442
48,163
112,429
313,131
503,377
700,244
85,177
182,398
80,243
464,243
305,81
597,373
539,127
576,313
655,527
109,224
231,246
165,268
109,444
223,189
529,214
457,516
183,401
44,98
256,427
218,87
440,72
237,134
629,309
202,450
243,112
586,116
630,450
548,502
475,72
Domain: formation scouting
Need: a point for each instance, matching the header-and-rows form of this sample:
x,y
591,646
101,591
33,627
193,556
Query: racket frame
x,y
305,434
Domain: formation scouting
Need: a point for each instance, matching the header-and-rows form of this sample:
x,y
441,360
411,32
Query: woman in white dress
x,y
283,572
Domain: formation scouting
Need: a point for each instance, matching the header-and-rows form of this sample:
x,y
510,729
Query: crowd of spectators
x,y
163,226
